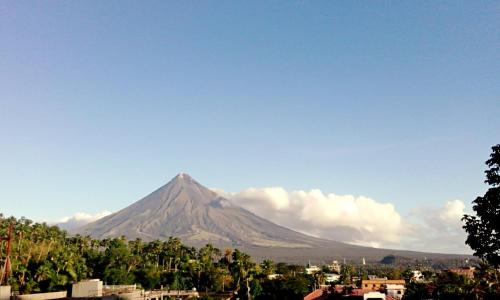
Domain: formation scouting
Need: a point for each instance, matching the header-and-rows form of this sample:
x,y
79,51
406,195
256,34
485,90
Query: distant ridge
x,y
186,209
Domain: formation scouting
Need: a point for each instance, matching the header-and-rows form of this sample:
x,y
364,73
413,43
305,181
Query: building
x,y
363,294
311,269
417,275
396,291
374,296
467,272
316,294
377,283
331,277
335,266
273,276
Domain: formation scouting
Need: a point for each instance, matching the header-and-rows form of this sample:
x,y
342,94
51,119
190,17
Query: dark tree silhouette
x,y
483,229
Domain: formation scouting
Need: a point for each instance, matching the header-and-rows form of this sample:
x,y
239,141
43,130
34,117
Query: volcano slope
x,y
186,209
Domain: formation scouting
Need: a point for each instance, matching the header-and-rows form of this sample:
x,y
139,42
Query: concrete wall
x,y
90,288
43,296
131,296
5,292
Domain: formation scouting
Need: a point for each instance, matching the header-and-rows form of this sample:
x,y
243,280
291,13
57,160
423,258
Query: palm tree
x,y
268,267
240,266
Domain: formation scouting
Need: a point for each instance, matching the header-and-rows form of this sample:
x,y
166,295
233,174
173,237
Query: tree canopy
x,y
45,258
483,229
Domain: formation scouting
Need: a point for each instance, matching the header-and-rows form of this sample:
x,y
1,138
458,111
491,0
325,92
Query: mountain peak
x,y
183,187
183,178
183,175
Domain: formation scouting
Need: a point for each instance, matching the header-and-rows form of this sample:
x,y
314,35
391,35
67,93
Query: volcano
x,y
186,209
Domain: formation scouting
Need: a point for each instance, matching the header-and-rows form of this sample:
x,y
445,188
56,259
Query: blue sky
x,y
103,101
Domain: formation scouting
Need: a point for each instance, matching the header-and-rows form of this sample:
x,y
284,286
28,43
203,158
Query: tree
x,y
240,266
346,273
268,267
483,229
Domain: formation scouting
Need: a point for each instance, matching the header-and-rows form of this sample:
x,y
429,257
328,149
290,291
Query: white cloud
x,y
440,229
358,219
79,219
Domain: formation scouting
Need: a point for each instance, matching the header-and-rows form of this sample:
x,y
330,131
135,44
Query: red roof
x,y
360,292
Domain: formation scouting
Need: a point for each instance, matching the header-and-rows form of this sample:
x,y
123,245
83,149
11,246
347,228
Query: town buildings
x,y
377,283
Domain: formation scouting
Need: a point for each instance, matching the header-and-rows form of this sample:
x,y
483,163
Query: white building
x,y
273,276
311,269
417,276
374,296
335,266
331,277
396,291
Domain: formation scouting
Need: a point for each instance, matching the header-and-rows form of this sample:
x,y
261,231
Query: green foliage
x,y
268,267
346,273
44,258
483,229
287,288
418,291
452,286
240,266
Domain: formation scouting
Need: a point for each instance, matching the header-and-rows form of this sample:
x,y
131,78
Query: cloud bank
x,y
79,219
440,229
358,219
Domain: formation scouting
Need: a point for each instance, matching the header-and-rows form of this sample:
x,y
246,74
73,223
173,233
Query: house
x,y
377,283
374,296
467,272
318,294
311,269
417,275
335,266
363,294
331,277
396,291
273,276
